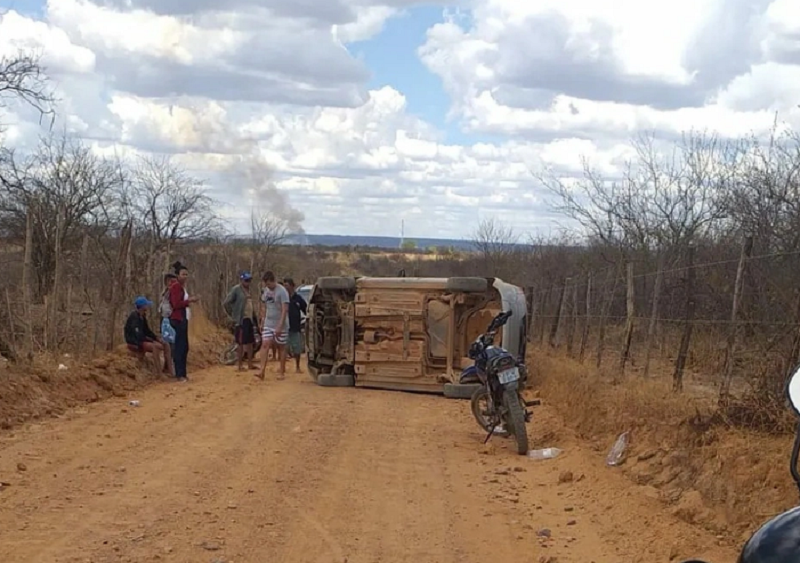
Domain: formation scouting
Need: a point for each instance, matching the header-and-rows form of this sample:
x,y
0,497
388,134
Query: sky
x,y
366,113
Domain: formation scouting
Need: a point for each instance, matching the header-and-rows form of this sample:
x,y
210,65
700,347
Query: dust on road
x,y
231,469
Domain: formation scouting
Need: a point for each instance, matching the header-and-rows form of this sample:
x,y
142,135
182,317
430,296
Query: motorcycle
x,y
778,541
498,405
229,356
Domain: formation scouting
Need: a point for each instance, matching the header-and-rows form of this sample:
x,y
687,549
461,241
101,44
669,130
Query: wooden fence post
x,y
629,320
70,313
543,308
574,320
610,291
688,323
651,329
55,301
733,330
555,329
27,272
532,312
587,316
12,326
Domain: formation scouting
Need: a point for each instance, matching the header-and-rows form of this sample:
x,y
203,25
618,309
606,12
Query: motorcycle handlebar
x,y
499,321
795,455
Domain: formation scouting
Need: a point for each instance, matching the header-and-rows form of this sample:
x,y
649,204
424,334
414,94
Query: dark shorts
x,y
139,349
296,344
244,333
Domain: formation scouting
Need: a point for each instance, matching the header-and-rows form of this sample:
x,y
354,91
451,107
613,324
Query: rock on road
x,y
231,469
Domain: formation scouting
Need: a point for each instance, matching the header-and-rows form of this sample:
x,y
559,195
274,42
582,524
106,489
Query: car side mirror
x,y
793,391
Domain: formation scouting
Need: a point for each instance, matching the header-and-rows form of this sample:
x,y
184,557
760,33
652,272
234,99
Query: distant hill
x,y
376,242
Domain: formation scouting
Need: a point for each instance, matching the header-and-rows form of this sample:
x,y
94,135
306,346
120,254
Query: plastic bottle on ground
x,y
617,452
546,453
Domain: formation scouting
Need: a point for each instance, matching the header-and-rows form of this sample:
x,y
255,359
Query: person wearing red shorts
x,y
141,339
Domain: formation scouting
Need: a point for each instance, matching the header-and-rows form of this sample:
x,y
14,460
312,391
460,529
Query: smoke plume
x,y
257,186
252,176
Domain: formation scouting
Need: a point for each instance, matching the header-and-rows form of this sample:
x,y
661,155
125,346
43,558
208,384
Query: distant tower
x,y
402,231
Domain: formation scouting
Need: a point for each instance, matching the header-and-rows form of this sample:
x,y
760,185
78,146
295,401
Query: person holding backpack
x,y
167,332
180,301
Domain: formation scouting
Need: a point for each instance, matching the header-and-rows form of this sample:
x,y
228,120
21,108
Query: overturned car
x,y
409,334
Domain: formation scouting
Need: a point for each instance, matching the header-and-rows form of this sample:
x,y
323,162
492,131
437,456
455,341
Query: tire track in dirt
x,y
123,494
290,483
246,471
382,496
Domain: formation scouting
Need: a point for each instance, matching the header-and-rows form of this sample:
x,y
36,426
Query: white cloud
x,y
116,33
609,68
552,80
21,33
369,22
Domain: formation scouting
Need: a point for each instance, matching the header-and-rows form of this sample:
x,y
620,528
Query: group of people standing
x,y
175,311
281,309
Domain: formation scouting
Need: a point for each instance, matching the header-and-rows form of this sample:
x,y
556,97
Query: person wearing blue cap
x,y
141,339
239,306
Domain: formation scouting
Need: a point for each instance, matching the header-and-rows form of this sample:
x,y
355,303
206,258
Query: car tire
x,y
460,390
336,380
313,373
467,285
336,283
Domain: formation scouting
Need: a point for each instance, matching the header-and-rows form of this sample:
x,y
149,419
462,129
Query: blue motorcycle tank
x,y
470,375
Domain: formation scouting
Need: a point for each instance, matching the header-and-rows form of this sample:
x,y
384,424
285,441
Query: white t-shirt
x,y
186,297
275,299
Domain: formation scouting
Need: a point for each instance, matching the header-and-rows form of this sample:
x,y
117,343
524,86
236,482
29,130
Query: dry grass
x,y
726,479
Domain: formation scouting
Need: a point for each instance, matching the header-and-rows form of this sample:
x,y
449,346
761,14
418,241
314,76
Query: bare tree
x,y
268,230
765,199
65,188
497,244
169,206
660,199
22,77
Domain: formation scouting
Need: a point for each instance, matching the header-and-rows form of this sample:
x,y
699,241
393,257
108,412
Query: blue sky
x,y
27,7
392,58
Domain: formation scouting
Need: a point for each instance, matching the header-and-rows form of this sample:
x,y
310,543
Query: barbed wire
x,y
598,283
741,322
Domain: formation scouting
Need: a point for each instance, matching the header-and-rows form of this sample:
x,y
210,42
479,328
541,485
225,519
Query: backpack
x,y
167,332
164,306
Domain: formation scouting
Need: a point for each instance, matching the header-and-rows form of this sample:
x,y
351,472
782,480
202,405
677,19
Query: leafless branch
x,y
169,204
22,77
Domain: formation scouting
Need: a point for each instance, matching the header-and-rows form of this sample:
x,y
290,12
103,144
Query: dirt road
x,y
231,469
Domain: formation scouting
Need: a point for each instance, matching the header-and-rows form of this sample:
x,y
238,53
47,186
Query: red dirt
x,y
228,468
32,391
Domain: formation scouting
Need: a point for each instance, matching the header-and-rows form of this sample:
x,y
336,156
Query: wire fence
x,y
731,322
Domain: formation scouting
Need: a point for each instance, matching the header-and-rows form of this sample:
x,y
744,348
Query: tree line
x,y
83,232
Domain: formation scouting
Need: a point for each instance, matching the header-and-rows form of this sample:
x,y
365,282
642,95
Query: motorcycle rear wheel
x,y
479,397
516,419
228,356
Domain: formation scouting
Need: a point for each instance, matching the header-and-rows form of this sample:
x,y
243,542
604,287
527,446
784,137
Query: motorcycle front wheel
x,y
228,356
481,405
515,414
